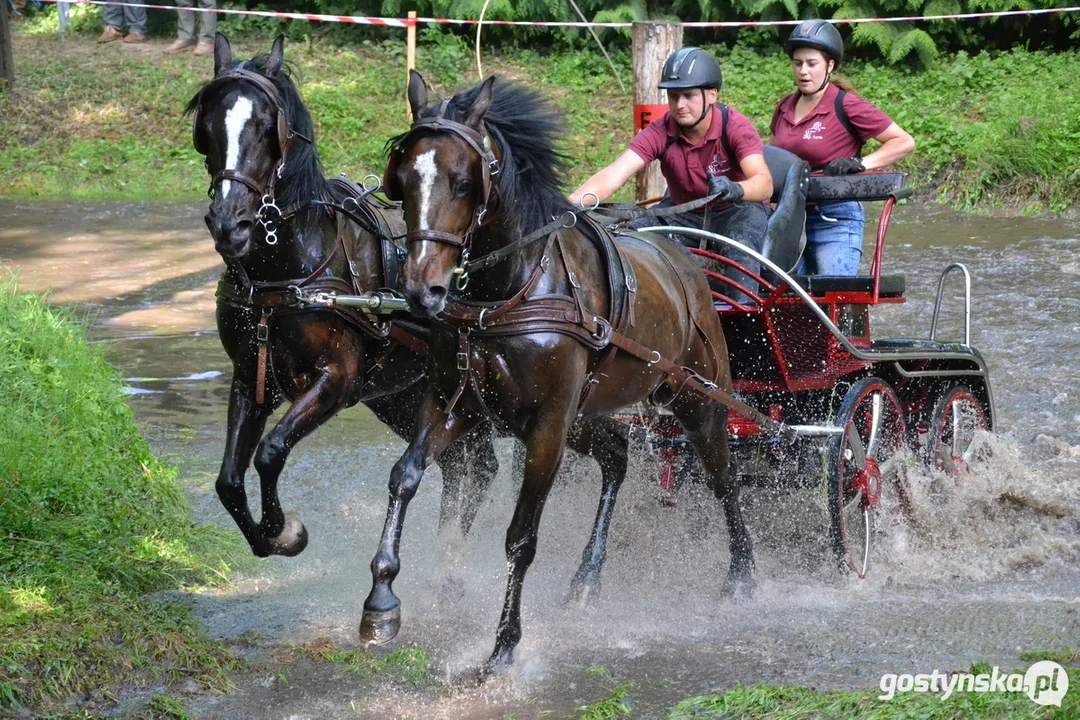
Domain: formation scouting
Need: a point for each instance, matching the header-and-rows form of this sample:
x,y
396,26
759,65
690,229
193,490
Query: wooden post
x,y
410,58
7,59
653,43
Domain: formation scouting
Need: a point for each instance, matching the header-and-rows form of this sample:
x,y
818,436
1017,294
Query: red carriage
x,y
802,352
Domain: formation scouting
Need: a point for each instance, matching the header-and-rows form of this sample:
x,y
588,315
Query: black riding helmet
x,y
692,68
819,35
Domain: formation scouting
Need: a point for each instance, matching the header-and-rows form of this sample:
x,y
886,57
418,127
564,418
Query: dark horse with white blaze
x,y
256,135
530,339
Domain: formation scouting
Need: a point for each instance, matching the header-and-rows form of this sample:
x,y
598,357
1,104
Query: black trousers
x,y
745,223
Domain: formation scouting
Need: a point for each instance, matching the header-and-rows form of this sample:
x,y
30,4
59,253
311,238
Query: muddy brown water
x,y
975,580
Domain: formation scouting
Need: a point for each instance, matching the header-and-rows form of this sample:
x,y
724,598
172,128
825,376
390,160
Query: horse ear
x,y
222,53
418,95
480,105
277,57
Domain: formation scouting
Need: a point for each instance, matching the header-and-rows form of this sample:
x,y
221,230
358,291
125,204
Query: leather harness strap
x,y
269,298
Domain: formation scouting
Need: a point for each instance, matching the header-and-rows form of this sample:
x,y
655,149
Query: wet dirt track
x,y
974,579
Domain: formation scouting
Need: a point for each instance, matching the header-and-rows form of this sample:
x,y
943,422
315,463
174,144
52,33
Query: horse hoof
x,y
582,594
739,590
293,537
378,627
498,664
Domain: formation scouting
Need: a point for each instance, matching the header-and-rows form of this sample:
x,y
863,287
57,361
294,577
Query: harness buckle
x,y
463,361
262,332
603,335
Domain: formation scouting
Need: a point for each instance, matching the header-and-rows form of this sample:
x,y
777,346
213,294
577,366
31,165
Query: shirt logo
x,y
814,131
718,167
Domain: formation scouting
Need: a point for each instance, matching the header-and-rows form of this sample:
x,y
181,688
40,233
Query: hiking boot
x,y
204,49
179,46
111,34
135,38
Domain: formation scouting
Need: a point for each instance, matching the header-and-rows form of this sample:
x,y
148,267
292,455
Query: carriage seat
x,y
784,233
868,186
818,285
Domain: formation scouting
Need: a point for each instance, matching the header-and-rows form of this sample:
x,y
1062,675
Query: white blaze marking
x,y
425,167
236,118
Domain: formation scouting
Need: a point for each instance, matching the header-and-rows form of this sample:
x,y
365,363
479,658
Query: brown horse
x,y
256,135
548,322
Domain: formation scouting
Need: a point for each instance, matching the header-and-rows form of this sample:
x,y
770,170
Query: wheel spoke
x,y
875,425
855,445
954,410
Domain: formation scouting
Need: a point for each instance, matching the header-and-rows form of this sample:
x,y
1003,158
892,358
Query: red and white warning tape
x,y
406,22
387,22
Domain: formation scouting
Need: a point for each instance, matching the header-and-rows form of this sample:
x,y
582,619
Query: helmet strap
x,y
704,110
824,83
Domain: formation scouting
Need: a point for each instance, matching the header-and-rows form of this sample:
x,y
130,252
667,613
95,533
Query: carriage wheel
x,y
867,459
957,421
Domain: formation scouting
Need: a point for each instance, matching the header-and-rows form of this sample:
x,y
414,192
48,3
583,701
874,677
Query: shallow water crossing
x,y
975,576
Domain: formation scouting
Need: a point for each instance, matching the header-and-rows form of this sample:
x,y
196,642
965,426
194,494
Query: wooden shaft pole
x,y
410,58
653,42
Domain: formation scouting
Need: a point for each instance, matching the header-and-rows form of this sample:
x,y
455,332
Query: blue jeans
x,y
834,236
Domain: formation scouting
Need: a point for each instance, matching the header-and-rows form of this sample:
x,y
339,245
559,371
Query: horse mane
x,y
302,176
528,130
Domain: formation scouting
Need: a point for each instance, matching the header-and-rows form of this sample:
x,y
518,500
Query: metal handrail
x,y
870,355
967,302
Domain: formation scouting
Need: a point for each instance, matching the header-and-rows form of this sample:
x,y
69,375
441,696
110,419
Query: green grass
x,y
92,523
617,704
94,121
408,665
787,702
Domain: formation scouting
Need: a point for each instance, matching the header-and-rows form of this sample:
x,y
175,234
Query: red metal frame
x,y
775,304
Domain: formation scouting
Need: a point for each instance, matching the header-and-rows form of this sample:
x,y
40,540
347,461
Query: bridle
x,y
269,214
480,141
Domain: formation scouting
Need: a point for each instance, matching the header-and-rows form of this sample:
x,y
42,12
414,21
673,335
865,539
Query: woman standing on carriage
x,y
704,148
826,124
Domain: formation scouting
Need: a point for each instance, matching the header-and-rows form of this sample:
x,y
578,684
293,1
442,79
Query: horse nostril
x,y
437,292
243,226
209,220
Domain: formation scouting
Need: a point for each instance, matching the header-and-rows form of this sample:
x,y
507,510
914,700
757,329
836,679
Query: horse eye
x,y
463,188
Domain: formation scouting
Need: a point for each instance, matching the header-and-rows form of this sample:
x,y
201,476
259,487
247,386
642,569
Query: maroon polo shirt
x,y
687,167
820,137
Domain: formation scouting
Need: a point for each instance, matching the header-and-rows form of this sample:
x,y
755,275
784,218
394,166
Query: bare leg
x,y
605,439
246,423
324,399
435,431
544,448
705,424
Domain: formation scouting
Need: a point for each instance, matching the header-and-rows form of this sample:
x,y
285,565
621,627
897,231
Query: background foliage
x,y
893,42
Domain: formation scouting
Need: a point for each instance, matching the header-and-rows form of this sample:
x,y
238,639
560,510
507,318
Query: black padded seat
x,y
891,285
869,186
783,237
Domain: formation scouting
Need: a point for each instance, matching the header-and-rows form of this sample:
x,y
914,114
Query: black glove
x,y
844,166
724,189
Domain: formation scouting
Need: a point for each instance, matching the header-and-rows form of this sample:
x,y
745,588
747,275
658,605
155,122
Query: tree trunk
x,y
7,61
652,44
